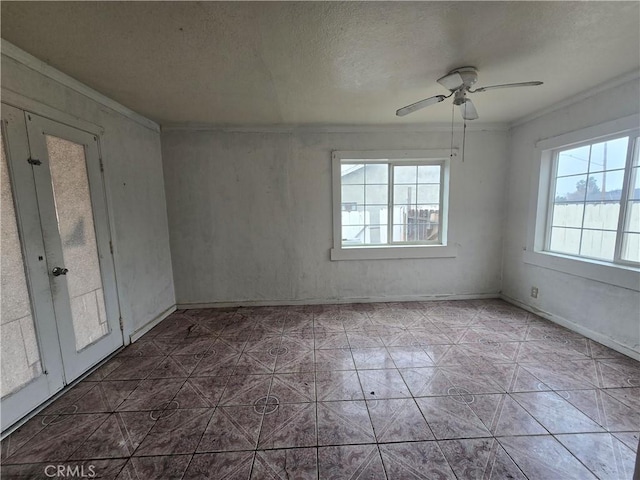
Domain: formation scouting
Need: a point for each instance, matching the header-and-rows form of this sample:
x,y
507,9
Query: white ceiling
x,y
275,63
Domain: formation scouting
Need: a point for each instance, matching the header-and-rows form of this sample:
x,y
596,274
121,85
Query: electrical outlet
x,y
534,292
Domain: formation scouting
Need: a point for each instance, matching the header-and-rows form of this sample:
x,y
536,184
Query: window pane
x,y
571,188
634,185
377,194
633,217
601,215
631,247
429,174
428,193
565,240
365,205
572,162
598,244
404,194
79,248
405,174
605,185
352,235
609,155
416,225
377,173
374,234
353,194
568,215
352,174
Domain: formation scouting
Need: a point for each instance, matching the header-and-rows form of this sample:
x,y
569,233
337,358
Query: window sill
x,y
394,252
605,272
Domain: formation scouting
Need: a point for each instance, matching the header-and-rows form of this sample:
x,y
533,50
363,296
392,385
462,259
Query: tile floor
x,y
432,390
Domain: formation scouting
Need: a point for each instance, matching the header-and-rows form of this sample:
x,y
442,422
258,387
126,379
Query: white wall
x,y
250,217
607,313
135,189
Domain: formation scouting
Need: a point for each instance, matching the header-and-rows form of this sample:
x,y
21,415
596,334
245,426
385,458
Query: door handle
x,y
57,271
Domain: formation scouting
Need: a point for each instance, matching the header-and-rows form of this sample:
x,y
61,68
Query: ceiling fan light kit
x,y
459,82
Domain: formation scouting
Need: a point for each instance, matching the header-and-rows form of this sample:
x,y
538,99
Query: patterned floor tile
x,y
298,463
338,385
602,453
341,423
363,340
419,460
555,413
410,357
177,431
350,462
453,389
289,425
159,467
151,394
226,465
476,458
334,359
372,358
398,420
232,428
245,389
294,387
386,383
59,439
451,417
119,436
503,416
428,381
544,457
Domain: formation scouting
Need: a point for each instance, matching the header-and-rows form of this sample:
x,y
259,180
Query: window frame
x,y
624,273
623,219
392,249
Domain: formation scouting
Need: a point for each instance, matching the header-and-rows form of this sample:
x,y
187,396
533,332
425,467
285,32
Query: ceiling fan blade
x,y
452,81
468,110
507,85
418,105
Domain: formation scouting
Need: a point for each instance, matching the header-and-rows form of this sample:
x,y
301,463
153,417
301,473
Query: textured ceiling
x,y
272,63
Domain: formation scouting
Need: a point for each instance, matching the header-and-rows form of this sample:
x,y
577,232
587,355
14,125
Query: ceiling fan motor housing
x,y
469,76
460,97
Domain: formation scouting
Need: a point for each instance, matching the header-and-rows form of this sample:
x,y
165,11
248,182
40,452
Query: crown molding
x,y
288,129
613,83
11,51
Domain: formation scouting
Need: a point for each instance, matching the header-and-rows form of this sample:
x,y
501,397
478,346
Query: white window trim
x,y
389,252
534,254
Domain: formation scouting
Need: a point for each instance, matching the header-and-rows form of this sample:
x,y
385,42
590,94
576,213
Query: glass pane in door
x,y
78,237
19,352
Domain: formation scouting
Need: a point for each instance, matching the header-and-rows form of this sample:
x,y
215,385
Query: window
x,y
390,199
594,202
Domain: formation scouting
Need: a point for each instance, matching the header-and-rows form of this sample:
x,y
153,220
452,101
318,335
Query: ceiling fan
x,y
459,82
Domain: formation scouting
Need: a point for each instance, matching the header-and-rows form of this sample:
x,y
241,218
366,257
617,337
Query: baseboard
x,y
152,323
595,336
327,301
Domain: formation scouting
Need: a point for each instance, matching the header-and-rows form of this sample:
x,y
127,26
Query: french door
x,y
60,312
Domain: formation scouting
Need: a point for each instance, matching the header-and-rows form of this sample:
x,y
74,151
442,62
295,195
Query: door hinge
x,y
121,324
111,247
34,161
101,166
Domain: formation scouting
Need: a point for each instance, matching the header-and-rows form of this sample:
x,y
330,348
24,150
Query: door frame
x,y
75,361
33,404
51,380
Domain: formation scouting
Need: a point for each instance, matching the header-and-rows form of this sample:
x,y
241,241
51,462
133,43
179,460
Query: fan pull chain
x,y
464,130
464,138
451,151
